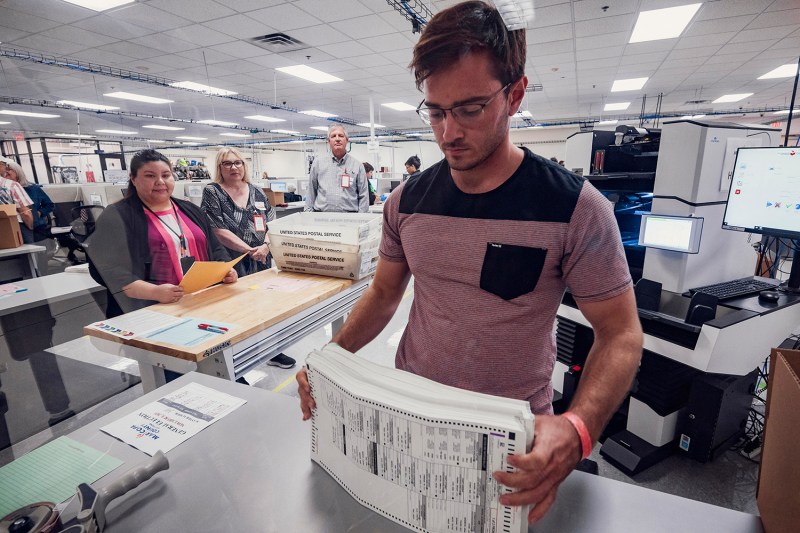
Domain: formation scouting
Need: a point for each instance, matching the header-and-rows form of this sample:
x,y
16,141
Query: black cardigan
x,y
119,252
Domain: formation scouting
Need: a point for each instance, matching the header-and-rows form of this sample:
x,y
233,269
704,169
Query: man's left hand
x,y
556,450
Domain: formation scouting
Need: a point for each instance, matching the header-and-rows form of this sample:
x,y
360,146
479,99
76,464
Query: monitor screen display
x,y
679,234
374,183
278,186
764,195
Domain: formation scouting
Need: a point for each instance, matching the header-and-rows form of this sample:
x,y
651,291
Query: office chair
x,y
84,221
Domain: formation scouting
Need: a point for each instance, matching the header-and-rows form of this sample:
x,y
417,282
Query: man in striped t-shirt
x,y
493,236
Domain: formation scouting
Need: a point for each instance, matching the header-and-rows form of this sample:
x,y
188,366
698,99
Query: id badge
x,y
258,222
186,263
345,180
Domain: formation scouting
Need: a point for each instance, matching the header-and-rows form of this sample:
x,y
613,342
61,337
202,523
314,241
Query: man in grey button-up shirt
x,y
337,181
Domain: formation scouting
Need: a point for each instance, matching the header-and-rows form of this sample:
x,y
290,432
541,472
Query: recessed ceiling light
x,y
235,134
265,118
190,138
286,132
117,132
607,122
727,98
631,84
413,134
664,23
400,106
159,127
99,5
138,97
367,125
212,122
523,114
308,73
534,127
619,106
189,144
320,128
786,112
689,117
784,71
199,87
73,135
320,114
27,114
156,141
84,105
4,122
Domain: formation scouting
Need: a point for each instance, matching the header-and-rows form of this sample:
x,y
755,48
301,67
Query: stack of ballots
x,y
416,451
341,245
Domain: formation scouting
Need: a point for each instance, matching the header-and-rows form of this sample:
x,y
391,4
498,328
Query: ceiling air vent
x,y
278,42
534,88
696,102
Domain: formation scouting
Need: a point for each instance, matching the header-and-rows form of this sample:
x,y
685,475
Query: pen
x,y
212,329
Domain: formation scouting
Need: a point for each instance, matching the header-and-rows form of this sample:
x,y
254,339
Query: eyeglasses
x,y
231,164
464,114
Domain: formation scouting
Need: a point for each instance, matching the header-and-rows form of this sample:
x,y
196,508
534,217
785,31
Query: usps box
x,y
342,228
325,258
778,495
10,234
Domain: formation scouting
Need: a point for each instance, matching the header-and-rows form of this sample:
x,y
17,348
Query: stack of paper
x,y
416,451
341,245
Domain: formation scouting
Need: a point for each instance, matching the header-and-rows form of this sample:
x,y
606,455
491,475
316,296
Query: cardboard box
x,y
778,493
324,258
343,228
10,234
273,197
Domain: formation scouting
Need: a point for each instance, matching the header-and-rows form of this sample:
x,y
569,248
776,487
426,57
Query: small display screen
x,y
278,186
679,234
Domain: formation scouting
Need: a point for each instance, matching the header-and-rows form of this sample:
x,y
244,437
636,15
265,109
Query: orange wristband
x,y
583,433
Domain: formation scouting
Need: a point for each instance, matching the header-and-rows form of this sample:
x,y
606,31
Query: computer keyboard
x,y
735,288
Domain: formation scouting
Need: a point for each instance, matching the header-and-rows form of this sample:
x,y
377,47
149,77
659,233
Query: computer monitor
x,y
665,232
374,183
764,196
278,186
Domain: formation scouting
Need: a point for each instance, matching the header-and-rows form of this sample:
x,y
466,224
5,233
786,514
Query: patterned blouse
x,y
223,213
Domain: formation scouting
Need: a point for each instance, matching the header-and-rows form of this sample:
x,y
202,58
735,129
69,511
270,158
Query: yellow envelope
x,y
204,274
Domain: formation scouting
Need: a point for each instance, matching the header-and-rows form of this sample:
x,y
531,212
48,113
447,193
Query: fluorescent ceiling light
x,y
689,117
320,114
4,122
784,71
94,107
320,128
534,127
400,106
199,87
265,118
211,122
159,127
99,5
523,114
308,73
727,98
786,112
286,132
190,138
367,125
74,135
189,144
138,97
619,106
117,132
235,134
607,122
664,23
631,84
156,141
27,114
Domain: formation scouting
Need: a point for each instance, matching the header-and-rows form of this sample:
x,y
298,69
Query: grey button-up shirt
x,y
325,191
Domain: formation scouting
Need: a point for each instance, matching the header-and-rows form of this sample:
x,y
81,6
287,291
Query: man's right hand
x,y
307,403
167,293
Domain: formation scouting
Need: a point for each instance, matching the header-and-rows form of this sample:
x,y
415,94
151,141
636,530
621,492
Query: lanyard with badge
x,y
258,219
186,259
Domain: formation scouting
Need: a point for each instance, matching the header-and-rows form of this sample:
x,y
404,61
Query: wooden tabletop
x,y
251,309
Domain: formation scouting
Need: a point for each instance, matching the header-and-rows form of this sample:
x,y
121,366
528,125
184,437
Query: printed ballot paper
x,y
167,422
203,274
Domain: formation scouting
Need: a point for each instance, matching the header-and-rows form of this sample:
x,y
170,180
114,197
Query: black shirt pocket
x,y
509,271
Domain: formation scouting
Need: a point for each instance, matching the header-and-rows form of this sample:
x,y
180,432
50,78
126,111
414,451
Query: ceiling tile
x,y
552,47
389,43
102,57
621,23
776,18
287,16
319,35
731,8
207,56
705,27
165,43
698,41
630,58
683,53
243,6
147,16
194,10
760,35
328,11
111,27
552,15
369,26
598,53
11,34
239,49
549,33
200,35
24,21
592,9
601,41
44,44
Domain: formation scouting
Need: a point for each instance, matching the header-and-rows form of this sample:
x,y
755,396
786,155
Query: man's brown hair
x,y
467,28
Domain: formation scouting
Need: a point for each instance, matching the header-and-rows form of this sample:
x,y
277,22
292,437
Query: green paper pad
x,y
51,473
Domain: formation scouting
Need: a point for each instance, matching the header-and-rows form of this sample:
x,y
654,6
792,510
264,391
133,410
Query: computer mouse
x,y
768,296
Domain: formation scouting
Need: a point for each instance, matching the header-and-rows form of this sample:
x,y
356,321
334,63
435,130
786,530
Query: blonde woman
x,y
41,206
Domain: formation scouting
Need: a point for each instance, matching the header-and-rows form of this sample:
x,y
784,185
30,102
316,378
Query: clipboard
x,y
203,274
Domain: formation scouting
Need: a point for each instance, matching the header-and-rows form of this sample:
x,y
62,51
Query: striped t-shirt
x,y
490,270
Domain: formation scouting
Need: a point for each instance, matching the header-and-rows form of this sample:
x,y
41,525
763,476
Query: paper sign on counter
x,y
137,323
167,422
203,274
